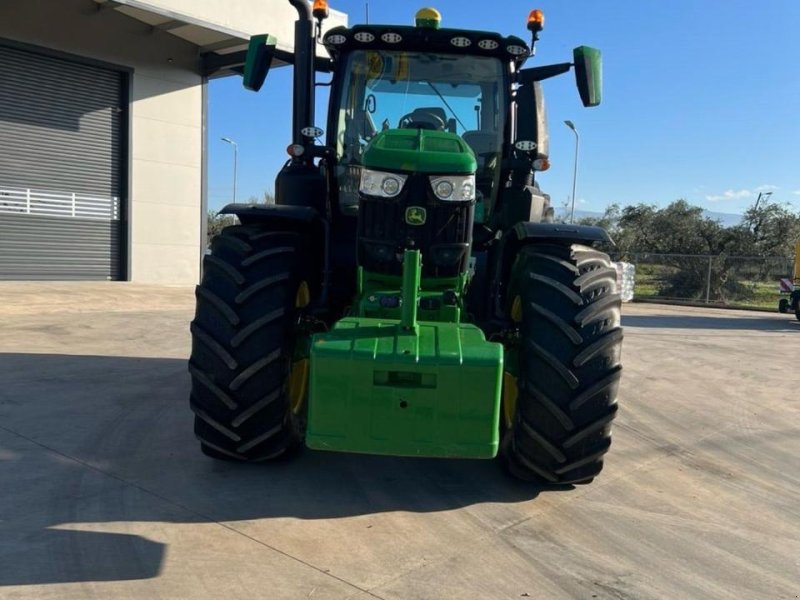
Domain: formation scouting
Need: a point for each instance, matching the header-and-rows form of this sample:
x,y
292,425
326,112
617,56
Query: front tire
x,y
243,341
568,363
783,306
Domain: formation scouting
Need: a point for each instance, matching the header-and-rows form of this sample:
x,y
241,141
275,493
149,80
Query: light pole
x,y
762,195
571,125
235,162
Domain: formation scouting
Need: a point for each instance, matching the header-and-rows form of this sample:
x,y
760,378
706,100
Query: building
x,y
103,105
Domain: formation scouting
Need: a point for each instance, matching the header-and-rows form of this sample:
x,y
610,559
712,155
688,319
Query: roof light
x,y
461,42
312,132
321,11
525,146
517,50
488,45
392,38
429,17
364,37
336,39
536,21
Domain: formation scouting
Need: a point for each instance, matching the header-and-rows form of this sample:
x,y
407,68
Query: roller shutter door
x,y
62,128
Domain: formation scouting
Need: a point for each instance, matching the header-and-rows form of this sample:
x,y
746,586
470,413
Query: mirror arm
x,y
528,76
321,64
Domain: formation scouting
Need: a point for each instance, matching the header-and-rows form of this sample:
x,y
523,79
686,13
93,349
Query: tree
x,y
609,221
216,223
672,246
768,229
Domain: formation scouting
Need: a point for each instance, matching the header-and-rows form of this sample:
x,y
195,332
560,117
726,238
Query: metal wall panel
x,y
35,247
61,133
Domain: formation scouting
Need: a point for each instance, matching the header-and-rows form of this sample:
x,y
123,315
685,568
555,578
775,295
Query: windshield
x,y
382,90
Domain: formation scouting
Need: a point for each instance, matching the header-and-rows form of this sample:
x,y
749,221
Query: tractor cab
x,y
425,78
397,85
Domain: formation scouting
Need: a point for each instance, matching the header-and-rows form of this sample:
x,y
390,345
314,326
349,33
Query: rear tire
x,y
243,344
569,364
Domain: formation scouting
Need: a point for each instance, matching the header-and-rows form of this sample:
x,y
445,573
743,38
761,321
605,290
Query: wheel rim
x,y
298,381
516,310
303,296
298,375
510,394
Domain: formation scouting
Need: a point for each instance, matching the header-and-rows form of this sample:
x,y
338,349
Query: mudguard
x,y
294,217
560,231
526,232
301,219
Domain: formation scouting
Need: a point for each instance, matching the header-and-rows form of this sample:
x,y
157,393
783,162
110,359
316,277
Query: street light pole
x,y
235,162
571,125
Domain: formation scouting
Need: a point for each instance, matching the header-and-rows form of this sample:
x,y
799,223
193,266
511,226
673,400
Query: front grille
x,y
444,239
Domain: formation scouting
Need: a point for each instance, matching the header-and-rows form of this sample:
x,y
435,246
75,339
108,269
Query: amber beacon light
x,y
536,21
321,10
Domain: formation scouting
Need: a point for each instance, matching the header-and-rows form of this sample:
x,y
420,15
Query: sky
x,y
701,101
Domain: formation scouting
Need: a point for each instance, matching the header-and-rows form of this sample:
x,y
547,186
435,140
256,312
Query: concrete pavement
x,y
106,495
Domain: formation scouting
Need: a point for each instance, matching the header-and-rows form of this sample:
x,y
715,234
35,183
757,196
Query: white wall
x,y
251,17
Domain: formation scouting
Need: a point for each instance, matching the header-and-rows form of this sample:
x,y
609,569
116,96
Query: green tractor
x,y
409,293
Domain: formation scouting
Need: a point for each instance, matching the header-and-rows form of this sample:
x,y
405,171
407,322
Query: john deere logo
x,y
416,215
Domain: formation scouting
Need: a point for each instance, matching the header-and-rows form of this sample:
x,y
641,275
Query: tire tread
x,y
569,363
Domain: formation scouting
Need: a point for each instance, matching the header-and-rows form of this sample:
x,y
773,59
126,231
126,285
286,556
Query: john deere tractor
x,y
409,293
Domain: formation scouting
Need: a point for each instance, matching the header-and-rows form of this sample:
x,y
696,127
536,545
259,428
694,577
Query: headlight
x,y
383,185
454,187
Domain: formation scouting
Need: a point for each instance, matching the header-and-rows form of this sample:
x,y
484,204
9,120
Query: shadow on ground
x,y
87,440
723,322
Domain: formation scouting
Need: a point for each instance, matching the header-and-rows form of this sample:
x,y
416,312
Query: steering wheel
x,y
422,120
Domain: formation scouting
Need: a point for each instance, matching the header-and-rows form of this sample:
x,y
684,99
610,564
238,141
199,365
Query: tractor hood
x,y
420,151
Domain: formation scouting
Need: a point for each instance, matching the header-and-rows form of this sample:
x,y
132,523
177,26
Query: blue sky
x,y
701,101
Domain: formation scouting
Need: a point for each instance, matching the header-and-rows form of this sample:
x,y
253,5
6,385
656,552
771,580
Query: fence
x,y
53,204
716,280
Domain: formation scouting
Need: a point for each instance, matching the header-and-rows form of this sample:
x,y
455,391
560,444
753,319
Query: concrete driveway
x,y
106,495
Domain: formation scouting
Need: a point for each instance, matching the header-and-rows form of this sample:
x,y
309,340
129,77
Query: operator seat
x,y
437,111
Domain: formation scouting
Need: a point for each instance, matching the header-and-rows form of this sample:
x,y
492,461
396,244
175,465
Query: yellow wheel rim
x,y
298,383
303,297
516,310
510,394
298,376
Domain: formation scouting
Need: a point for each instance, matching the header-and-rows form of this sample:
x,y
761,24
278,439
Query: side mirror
x,y
260,53
589,74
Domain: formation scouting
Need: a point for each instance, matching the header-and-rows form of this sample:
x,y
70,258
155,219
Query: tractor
x,y
410,292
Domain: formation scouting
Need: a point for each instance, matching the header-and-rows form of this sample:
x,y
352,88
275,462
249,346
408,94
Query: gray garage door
x,y
62,128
